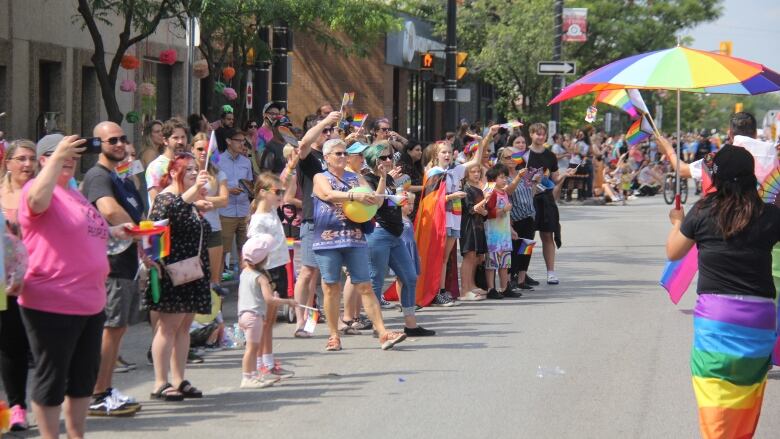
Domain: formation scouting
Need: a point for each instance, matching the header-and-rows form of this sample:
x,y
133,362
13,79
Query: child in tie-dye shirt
x,y
498,230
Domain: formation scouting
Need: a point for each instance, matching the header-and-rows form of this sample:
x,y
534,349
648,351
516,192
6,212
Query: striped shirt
x,y
522,203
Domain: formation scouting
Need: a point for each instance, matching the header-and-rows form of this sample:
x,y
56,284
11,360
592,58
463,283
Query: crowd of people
x,y
233,204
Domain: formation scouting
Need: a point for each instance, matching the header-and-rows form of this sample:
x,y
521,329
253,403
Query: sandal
x,y
167,393
334,343
300,333
189,391
348,329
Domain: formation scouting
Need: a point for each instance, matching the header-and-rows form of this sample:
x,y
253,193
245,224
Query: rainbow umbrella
x,y
680,69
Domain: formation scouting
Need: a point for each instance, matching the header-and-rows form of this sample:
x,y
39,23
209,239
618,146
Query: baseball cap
x,y
733,162
273,104
357,148
48,144
257,248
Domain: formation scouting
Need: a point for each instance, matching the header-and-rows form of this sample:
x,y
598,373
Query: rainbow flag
x,y
290,243
511,124
430,233
518,158
359,119
733,338
348,99
212,155
677,275
526,247
157,246
635,133
123,169
619,99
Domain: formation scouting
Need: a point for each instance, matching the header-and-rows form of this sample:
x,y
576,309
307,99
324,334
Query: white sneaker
x,y
552,279
256,383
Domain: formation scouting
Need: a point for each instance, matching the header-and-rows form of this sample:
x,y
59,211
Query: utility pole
x,y
190,61
279,68
451,82
556,80
262,70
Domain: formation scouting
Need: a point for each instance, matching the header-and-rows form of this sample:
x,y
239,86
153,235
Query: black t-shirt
x,y
272,158
98,183
741,265
308,167
389,217
546,161
219,134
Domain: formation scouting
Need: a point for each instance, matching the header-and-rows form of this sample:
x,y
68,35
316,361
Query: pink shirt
x,y
68,264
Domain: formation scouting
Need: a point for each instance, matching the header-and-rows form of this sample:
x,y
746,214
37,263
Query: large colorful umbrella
x,y
679,69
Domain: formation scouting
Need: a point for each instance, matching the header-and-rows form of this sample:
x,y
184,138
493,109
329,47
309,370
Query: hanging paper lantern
x,y
227,108
230,93
128,86
219,87
130,62
132,117
147,89
228,73
168,56
200,69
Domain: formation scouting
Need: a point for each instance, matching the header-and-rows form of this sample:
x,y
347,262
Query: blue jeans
x,y
386,249
330,262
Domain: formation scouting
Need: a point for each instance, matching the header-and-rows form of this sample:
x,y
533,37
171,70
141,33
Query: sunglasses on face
x,y
339,153
385,157
115,140
327,131
278,192
383,129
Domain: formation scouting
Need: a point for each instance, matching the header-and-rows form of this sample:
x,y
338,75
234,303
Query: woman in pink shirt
x,y
64,293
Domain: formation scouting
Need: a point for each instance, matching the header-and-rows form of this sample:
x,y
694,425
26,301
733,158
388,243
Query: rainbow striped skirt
x,y
732,352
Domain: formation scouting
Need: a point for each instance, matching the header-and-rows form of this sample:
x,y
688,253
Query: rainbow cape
x,y
677,275
618,98
430,232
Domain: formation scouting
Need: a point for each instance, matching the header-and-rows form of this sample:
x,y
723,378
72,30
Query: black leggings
x,y
14,350
525,228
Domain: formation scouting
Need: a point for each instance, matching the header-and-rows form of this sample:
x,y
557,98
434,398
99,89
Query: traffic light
x,y
426,62
725,48
738,107
460,71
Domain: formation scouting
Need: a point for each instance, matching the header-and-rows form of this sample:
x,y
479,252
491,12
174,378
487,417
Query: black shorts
x,y
546,212
66,349
279,280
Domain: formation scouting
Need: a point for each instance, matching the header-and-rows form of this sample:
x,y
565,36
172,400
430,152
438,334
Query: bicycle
x,y
670,188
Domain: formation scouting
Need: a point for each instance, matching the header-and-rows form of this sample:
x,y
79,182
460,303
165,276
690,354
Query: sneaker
x,y
106,405
525,286
362,323
418,332
129,365
277,371
120,368
530,281
193,358
384,304
257,382
390,339
122,398
494,295
552,279
442,300
512,294
321,319
214,347
19,418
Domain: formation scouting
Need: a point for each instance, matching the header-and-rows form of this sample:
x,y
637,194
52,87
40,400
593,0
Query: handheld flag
x,y
518,157
635,133
636,100
620,99
358,120
511,124
677,275
526,247
157,246
212,155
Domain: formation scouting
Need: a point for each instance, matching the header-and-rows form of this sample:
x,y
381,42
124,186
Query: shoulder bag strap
x,y
200,244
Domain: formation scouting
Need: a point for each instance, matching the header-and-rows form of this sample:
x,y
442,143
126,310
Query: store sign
x,y
575,24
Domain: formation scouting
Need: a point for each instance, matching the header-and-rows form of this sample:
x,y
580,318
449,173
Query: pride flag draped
x,y
677,275
212,155
619,99
430,234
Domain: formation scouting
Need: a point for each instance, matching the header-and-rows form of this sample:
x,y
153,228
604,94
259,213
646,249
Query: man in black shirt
x,y
227,120
544,162
311,162
119,202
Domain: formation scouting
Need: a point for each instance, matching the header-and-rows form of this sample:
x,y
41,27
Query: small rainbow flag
x,y
526,247
123,170
359,119
677,275
290,243
511,124
348,99
635,133
518,158
619,99
157,246
471,148
212,155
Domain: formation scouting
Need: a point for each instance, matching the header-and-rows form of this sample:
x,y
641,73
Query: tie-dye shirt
x,y
497,226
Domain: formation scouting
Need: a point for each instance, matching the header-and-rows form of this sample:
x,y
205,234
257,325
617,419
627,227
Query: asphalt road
x,y
612,349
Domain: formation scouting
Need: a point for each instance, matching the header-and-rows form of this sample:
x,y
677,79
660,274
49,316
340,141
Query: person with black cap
x,y
271,158
735,313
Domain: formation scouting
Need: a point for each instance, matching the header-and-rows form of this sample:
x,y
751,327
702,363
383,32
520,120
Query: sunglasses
x,y
252,125
327,130
339,153
115,140
385,157
383,129
278,192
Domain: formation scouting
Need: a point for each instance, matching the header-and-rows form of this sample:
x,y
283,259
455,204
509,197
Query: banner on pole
x,y
575,24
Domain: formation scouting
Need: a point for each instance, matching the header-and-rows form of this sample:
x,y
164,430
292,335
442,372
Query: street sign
x,y
464,95
556,68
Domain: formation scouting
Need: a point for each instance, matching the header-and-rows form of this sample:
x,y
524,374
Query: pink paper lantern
x,y
147,89
230,93
168,56
128,86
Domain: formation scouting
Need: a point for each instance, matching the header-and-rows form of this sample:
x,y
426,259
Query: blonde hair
x,y
266,181
9,154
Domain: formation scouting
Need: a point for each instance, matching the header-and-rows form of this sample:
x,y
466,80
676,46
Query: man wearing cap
x,y
175,140
238,170
119,202
272,157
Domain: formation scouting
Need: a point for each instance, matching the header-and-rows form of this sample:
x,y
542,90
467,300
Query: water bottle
x,y
238,335
229,338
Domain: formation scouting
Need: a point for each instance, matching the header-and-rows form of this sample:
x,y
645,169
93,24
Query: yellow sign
x,y
460,70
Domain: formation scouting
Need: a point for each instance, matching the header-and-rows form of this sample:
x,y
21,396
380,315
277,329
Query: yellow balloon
x,y
359,212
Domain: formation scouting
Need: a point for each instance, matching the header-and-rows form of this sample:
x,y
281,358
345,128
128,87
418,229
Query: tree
x,y
139,19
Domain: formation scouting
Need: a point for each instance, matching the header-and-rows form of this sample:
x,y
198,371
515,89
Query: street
x,y
612,349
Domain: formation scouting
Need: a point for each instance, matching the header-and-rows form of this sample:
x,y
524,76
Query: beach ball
x,y
15,258
359,212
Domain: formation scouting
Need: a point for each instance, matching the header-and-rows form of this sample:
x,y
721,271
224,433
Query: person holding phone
x,y
62,302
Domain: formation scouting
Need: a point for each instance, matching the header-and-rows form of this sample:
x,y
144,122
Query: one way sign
x,y
556,68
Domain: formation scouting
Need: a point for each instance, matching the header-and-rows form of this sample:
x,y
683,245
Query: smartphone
x,y
92,145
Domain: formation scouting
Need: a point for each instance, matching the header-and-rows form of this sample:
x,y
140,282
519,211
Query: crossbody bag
x,y
190,269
